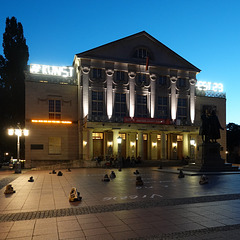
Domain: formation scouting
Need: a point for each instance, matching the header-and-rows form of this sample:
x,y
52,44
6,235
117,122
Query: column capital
x,y
132,75
173,79
192,81
85,70
109,72
153,77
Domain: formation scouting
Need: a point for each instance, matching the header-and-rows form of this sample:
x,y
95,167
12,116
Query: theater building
x,y
135,88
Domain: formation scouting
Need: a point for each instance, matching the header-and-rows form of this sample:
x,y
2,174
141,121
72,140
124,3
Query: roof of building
x,y
122,50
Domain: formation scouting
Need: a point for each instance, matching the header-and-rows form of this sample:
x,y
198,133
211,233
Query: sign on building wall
x,y
51,70
208,86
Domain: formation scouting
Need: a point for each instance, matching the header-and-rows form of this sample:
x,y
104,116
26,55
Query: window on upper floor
x,y
120,105
141,53
182,109
97,73
162,80
181,82
141,79
141,106
97,103
120,75
54,108
162,107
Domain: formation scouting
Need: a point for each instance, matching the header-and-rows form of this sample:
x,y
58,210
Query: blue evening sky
x,y
204,32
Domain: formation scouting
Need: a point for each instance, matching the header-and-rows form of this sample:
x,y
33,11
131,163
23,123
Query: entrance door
x,y
179,150
97,147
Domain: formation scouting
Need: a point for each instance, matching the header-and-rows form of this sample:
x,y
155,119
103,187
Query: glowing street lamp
x,y
18,132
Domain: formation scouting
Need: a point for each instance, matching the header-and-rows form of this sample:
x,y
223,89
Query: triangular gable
x,y
123,49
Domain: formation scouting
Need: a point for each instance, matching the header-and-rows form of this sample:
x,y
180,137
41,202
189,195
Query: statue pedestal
x,y
209,160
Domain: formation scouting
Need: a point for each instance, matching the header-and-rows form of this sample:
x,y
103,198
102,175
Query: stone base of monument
x,y
209,160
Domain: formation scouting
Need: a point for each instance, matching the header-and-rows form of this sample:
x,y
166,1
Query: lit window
x,y
145,137
97,135
54,107
179,138
122,135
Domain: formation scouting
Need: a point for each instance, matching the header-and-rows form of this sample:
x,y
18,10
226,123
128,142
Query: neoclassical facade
x,y
135,89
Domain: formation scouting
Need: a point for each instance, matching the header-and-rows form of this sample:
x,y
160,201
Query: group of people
x,y
210,129
116,162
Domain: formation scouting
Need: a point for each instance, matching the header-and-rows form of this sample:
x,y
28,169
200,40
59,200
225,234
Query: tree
x,y
12,67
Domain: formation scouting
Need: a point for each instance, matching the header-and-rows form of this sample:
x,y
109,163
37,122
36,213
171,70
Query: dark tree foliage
x,y
12,87
233,142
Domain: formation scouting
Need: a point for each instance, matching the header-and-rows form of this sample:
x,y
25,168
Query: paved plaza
x,y
165,207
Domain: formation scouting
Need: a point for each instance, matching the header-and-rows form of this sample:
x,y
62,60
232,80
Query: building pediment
x,y
135,49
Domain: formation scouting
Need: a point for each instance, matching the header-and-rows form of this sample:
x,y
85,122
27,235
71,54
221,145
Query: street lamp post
x,y
18,132
119,141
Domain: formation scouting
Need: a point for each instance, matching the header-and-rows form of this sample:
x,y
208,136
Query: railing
x,y
178,122
210,93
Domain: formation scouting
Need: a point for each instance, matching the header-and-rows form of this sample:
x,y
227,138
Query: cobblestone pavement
x,y
165,207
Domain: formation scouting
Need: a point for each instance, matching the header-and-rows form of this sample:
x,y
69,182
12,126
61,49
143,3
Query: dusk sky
x,y
206,32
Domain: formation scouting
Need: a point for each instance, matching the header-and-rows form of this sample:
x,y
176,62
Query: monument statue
x,y
210,128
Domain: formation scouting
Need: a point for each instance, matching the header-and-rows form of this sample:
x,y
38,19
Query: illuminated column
x,y
163,146
140,144
173,98
153,94
185,145
85,88
115,142
153,137
192,99
132,76
132,146
84,145
109,74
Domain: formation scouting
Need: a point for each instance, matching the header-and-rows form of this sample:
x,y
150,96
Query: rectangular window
x,y
120,105
36,146
97,103
162,107
97,135
54,107
162,80
120,75
141,53
182,108
181,82
54,145
122,135
141,109
97,73
145,137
